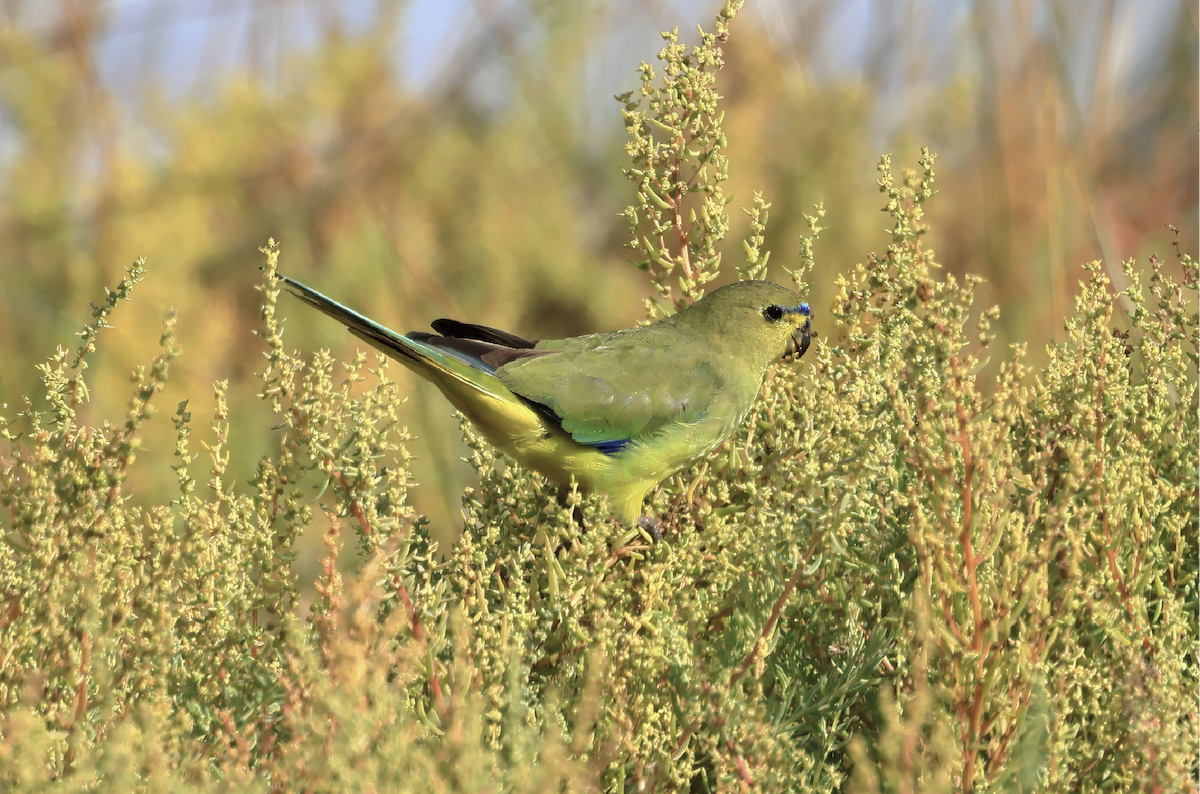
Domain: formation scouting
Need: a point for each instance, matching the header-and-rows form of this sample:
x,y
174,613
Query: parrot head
x,y
756,319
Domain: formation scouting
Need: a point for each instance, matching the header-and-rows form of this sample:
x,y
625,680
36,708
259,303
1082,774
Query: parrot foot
x,y
647,531
651,526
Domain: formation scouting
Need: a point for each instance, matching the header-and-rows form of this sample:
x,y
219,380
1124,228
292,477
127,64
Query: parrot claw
x,y
652,527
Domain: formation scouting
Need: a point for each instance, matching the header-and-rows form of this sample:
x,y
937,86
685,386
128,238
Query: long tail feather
x,y
363,327
423,359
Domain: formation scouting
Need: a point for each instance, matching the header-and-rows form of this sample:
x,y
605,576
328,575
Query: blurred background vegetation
x,y
464,159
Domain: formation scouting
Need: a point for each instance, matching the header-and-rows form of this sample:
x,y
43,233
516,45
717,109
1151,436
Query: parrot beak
x,y
799,341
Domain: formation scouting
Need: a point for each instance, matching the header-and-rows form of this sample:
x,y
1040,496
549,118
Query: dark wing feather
x,y
481,333
484,355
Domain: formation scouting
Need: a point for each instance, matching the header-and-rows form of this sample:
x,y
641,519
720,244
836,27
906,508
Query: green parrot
x,y
618,412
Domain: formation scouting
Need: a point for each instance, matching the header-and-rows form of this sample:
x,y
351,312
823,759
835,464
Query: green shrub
x,y
892,578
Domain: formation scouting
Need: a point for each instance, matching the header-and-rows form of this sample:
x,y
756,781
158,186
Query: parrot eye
x,y
774,313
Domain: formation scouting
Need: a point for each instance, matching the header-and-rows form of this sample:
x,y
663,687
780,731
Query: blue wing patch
x,y
608,447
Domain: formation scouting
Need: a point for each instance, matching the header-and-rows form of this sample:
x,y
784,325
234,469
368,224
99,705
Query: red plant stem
x,y
971,731
402,593
436,686
744,770
354,506
776,610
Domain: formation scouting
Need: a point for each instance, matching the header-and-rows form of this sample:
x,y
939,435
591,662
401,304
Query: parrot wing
x,y
611,389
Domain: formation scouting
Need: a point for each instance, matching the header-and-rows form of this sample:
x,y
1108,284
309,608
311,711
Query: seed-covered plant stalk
x,y
676,144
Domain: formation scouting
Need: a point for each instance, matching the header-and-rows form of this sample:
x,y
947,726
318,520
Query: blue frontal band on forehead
x,y
777,311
